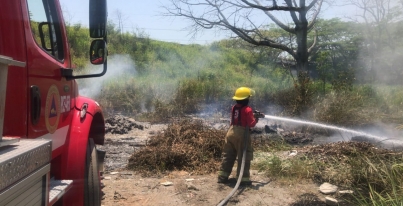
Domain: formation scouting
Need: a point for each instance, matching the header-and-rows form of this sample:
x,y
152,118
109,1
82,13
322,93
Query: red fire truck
x,y
48,152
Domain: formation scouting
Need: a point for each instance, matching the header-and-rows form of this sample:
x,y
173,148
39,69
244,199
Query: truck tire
x,y
92,192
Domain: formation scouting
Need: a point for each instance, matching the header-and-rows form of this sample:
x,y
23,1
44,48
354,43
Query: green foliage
x,y
290,169
359,106
378,179
129,100
79,42
338,52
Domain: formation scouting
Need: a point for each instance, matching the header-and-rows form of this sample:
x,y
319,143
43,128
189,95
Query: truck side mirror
x,y
98,14
98,52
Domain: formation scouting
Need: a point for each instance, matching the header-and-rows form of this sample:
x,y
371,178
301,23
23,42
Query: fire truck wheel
x,y
92,193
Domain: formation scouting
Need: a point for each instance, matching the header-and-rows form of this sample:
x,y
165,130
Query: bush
x,y
348,108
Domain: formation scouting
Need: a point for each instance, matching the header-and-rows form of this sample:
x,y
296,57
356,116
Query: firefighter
x,y
242,118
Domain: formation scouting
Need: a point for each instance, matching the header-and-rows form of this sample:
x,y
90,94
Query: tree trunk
x,y
301,58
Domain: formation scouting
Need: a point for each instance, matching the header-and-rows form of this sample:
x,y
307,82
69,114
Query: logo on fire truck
x,y
52,109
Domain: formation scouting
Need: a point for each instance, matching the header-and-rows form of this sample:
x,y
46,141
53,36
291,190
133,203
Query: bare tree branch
x,y
313,4
314,42
293,14
315,15
278,22
241,17
271,8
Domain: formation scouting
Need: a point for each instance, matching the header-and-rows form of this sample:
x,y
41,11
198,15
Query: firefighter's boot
x,y
222,179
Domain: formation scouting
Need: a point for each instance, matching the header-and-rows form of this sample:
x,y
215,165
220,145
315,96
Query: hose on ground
x,y
240,172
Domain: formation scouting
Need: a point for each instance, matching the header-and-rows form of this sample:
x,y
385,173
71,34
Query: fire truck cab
x,y
49,133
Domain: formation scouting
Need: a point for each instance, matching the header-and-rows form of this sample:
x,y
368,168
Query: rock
x,y
327,188
254,172
189,180
167,183
331,201
107,178
346,192
190,186
293,153
118,196
114,173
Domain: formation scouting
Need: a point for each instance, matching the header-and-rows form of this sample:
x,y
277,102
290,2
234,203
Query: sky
x,y
146,16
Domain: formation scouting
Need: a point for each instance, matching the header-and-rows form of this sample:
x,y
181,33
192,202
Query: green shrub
x,y
355,107
289,169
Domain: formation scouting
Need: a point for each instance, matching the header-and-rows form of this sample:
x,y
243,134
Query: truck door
x,y
50,94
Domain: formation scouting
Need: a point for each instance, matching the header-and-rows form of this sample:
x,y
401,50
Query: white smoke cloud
x,y
118,65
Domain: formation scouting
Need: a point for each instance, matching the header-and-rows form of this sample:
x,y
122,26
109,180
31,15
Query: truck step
x,y
8,140
57,188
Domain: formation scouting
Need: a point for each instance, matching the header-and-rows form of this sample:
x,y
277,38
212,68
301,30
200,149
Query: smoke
x,y
118,66
380,52
156,81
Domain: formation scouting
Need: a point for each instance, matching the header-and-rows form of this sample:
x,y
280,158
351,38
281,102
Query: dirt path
x,y
126,188
123,187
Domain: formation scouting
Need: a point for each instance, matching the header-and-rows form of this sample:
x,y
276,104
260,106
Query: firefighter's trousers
x,y
233,149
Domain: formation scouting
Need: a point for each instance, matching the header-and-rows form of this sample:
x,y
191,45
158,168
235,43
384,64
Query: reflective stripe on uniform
x,y
244,179
223,174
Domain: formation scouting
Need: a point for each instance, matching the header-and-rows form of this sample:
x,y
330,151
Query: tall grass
x,y
378,180
290,169
374,175
363,104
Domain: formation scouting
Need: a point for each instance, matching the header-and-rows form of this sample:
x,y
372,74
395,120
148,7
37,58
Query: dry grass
x,y
185,145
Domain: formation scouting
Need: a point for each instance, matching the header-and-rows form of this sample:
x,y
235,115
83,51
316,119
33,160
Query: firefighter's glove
x,y
258,114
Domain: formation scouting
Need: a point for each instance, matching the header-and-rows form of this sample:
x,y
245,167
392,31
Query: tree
x,y
249,20
338,45
380,18
121,18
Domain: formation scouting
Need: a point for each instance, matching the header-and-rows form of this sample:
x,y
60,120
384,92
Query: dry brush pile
x,y
119,124
185,145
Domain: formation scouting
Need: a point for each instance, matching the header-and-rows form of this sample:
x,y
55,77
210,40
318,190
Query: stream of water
x,y
384,142
315,124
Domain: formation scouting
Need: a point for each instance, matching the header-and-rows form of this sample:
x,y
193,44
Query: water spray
x,y
323,126
392,143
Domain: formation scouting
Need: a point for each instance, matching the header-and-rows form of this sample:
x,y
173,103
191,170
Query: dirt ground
x,y
123,187
126,188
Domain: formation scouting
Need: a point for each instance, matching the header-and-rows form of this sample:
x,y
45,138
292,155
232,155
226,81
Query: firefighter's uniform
x,y
241,120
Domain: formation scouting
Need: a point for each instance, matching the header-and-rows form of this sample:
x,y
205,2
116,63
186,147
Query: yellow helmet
x,y
243,93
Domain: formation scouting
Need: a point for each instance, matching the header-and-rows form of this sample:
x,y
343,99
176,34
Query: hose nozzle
x,y
258,114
